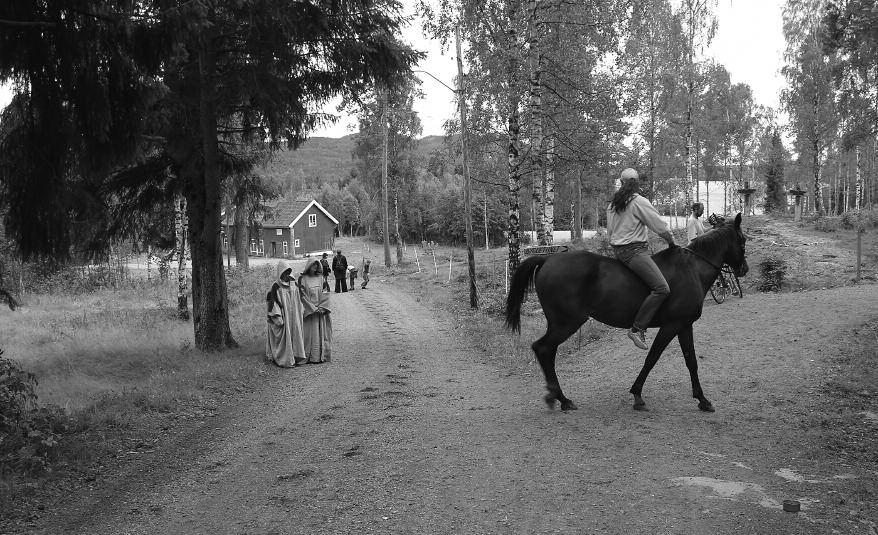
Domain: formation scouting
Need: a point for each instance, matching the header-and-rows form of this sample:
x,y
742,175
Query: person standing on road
x,y
340,272
366,267
284,342
694,226
352,270
628,217
324,268
317,323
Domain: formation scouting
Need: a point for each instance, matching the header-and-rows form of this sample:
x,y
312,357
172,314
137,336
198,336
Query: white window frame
x,y
253,248
312,220
286,249
261,247
279,232
225,242
296,243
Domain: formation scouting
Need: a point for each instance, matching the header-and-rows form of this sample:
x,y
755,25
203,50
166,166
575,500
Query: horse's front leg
x,y
687,344
662,339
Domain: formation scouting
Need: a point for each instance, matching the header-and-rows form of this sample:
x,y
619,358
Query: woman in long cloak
x,y
284,341
317,323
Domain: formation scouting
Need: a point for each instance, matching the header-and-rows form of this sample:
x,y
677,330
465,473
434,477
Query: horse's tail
x,y
518,287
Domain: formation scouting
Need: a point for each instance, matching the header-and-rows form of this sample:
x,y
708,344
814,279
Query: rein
x,y
688,250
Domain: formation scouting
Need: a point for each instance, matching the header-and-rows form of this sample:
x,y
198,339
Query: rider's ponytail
x,y
623,196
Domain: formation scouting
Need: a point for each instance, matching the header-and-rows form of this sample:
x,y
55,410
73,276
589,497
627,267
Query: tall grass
x,y
87,346
118,361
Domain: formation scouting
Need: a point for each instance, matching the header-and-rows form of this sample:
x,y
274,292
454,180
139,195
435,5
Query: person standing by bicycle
x,y
628,217
694,226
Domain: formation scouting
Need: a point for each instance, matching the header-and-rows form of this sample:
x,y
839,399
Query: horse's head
x,y
735,254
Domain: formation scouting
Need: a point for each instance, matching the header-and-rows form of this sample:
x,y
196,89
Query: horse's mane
x,y
714,241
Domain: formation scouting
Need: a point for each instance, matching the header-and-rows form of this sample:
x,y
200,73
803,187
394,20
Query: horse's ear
x,y
738,220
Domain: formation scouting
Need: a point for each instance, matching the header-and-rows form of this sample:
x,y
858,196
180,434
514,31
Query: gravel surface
x,y
411,430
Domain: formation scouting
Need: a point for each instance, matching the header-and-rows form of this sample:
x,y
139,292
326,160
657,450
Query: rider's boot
x,y
638,336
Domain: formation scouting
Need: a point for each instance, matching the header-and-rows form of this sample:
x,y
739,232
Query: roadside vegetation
x,y
93,373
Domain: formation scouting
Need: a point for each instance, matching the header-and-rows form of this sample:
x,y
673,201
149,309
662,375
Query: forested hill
x,y
322,160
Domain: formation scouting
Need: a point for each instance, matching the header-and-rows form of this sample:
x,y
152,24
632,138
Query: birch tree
x,y
180,248
699,27
809,96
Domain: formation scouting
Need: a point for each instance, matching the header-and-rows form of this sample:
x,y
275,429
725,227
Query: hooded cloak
x,y
284,343
317,322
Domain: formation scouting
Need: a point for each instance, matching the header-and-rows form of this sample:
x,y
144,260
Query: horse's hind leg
x,y
687,344
545,350
662,339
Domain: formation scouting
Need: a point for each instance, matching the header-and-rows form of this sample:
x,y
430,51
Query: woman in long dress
x,y
284,341
317,323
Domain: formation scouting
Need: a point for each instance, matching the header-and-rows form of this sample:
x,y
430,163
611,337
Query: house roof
x,y
285,213
308,207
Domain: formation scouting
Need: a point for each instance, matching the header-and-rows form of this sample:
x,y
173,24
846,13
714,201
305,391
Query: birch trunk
x,y
180,225
396,227
536,105
549,209
513,230
487,242
859,179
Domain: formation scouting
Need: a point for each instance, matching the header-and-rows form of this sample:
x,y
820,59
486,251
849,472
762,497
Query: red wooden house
x,y
292,228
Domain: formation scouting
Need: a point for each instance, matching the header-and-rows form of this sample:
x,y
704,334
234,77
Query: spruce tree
x,y
106,86
775,190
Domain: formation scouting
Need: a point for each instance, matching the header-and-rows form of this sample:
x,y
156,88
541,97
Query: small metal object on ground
x,y
791,506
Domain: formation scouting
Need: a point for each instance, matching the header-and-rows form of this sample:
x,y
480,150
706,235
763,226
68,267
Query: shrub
x,y
773,271
828,223
859,219
29,436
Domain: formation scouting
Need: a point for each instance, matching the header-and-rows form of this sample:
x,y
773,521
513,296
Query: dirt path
x,y
410,430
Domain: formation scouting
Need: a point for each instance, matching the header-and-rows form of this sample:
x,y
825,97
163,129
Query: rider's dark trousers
x,y
636,256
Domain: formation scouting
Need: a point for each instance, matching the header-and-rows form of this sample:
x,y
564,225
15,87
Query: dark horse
x,y
575,286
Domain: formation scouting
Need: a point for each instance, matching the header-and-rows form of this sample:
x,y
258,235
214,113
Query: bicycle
x,y
726,284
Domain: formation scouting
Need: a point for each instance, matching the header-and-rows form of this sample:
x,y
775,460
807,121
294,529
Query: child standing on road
x,y
324,268
353,276
365,274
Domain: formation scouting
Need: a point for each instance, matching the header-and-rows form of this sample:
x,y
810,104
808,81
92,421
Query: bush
x,y
773,271
29,436
828,223
859,219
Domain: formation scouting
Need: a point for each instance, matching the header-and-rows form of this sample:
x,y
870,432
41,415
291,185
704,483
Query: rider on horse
x,y
628,217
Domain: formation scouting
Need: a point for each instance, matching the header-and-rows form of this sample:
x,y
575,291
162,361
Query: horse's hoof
x,y
640,406
706,406
550,401
568,406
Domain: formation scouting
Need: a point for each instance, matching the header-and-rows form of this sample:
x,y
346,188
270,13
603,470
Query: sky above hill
x,y
749,42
